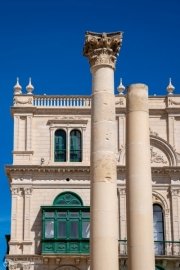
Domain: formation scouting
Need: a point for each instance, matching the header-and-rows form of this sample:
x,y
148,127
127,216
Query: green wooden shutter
x,y
60,146
75,146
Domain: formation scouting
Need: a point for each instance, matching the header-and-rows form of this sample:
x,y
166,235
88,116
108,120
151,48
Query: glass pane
x,y
86,229
49,214
158,227
157,216
61,202
49,229
86,214
74,214
61,229
61,214
74,229
67,197
159,248
157,207
75,202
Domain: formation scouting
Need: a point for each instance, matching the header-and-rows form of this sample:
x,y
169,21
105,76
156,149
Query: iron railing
x,y
160,247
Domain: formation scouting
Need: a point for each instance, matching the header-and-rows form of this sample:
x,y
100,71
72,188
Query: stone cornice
x,y
51,110
57,169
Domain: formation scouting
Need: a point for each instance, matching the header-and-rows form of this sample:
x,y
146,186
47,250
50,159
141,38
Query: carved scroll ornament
x,y
156,158
17,101
171,102
102,48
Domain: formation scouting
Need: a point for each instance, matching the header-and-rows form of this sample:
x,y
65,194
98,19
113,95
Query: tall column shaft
x,y
102,49
104,222
138,177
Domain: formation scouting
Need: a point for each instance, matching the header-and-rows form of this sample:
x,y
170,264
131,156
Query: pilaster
x,y
29,133
15,242
27,241
175,205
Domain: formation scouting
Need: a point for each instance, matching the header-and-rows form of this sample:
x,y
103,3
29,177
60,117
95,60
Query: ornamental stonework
x,y
102,48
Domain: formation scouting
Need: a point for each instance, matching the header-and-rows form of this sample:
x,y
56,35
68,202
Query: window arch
x,y
158,229
60,146
75,146
68,199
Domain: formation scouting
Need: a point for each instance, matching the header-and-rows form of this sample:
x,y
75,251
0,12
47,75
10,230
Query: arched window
x,y
68,199
158,229
75,146
66,225
60,146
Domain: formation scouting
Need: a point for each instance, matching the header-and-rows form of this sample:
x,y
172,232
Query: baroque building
x,y
50,180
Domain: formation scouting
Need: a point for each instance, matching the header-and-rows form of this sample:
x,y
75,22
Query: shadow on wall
x,y
37,229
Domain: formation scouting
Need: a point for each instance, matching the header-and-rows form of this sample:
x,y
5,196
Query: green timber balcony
x,y
66,226
170,248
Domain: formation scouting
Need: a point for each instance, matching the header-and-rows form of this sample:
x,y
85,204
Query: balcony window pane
x,y
86,215
61,229
49,229
74,214
61,214
49,214
74,229
86,229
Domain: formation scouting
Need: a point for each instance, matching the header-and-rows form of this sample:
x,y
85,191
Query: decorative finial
x,y
170,87
29,87
121,87
17,87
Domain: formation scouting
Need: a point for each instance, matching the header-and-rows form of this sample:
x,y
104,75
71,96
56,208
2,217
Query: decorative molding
x,y
67,120
17,101
156,158
28,191
173,102
67,267
15,191
120,101
174,192
121,149
153,133
102,48
122,191
57,260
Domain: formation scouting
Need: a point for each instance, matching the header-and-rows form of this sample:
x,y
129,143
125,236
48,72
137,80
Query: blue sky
x,y
43,39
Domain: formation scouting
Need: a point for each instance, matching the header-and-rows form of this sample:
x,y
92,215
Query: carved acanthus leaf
x,y
102,48
28,191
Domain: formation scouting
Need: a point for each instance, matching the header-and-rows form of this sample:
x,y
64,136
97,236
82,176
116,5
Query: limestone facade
x,y
35,182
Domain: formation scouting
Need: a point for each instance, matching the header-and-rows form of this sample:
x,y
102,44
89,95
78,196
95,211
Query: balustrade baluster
x,y
71,102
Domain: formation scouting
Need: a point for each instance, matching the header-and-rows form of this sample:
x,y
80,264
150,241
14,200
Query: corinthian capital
x,y
102,49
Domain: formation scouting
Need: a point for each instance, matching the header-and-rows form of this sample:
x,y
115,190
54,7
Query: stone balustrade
x,y
22,100
65,101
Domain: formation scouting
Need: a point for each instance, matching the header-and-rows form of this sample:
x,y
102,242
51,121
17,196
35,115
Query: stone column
x,y
138,180
102,50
